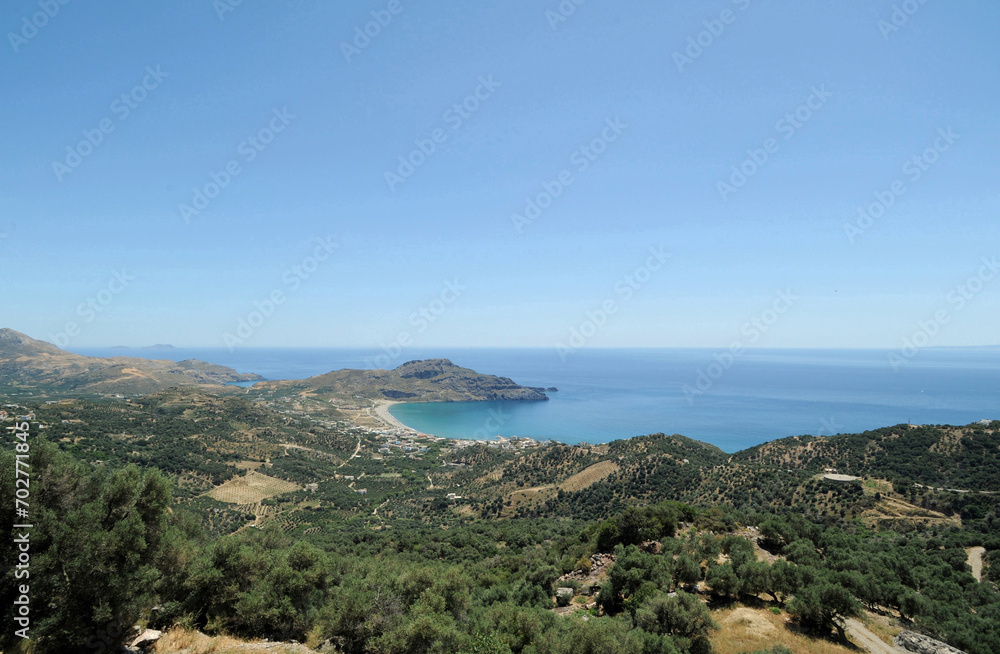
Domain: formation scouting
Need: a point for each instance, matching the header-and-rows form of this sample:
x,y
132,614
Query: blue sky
x,y
438,257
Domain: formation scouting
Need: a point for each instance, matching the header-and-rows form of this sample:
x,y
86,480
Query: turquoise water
x,y
609,394
763,395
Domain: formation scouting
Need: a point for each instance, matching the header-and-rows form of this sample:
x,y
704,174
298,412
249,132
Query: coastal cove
x,y
618,393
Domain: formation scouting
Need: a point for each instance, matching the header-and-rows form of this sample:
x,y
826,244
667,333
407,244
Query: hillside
x,y
268,492
205,440
433,380
966,458
27,364
907,475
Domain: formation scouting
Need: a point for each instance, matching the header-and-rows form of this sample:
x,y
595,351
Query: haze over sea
x,y
619,393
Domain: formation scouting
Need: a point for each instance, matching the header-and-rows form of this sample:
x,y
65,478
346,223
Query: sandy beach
x,y
381,411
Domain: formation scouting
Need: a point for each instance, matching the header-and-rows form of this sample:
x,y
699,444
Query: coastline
x,y
381,411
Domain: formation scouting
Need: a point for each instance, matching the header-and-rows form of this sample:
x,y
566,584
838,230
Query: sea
x,y
733,402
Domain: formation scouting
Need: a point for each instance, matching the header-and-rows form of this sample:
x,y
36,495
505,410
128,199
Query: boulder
x,y
920,644
564,596
147,638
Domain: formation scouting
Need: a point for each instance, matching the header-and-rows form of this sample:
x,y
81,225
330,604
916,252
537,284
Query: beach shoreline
x,y
381,411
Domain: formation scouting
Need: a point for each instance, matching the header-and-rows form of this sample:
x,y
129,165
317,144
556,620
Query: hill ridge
x,y
28,363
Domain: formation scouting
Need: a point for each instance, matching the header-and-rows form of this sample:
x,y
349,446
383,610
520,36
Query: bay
x,y
606,394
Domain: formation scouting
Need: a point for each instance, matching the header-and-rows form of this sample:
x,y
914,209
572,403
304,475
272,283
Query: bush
x,y
95,546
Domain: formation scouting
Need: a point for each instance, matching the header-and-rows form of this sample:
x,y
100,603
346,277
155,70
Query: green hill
x,y
433,380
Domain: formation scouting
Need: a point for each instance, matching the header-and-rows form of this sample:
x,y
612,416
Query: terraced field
x,y
586,477
251,488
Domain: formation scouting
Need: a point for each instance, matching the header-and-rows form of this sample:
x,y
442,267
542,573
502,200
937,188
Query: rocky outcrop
x,y
592,574
920,644
397,395
146,639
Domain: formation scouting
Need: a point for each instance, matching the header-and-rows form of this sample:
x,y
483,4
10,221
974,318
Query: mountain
x,y
27,363
432,380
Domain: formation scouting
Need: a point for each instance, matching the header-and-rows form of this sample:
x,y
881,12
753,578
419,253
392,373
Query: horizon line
x,y
366,348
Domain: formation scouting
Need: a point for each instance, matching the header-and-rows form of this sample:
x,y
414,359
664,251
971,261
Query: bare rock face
x,y
920,644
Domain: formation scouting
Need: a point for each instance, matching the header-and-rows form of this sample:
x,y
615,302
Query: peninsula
x,y
431,380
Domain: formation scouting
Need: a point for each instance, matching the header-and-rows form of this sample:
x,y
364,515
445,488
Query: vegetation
x,y
125,499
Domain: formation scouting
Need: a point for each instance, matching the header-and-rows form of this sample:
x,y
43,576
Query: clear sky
x,y
625,120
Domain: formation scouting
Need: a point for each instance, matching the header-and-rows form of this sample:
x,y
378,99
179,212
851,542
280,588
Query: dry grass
x,y
884,627
586,477
180,641
872,486
896,509
746,630
251,488
750,622
493,476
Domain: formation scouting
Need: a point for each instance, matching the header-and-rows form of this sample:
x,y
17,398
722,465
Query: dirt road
x,y
861,636
356,450
976,561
